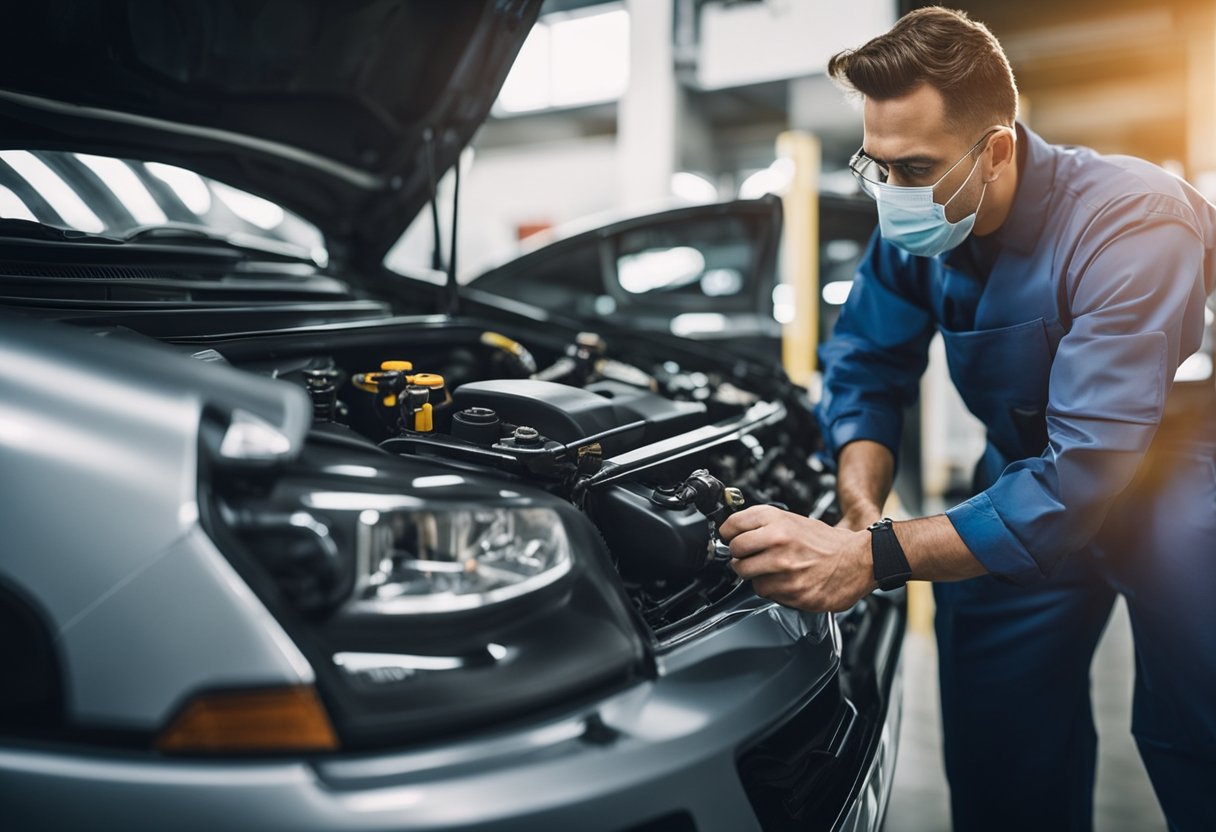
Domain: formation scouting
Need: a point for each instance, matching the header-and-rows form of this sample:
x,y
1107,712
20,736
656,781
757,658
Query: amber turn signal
x,y
262,721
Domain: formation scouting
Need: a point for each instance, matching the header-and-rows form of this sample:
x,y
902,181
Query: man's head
x,y
945,49
937,89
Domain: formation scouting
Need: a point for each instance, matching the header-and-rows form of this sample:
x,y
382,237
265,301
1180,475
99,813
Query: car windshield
x,y
123,197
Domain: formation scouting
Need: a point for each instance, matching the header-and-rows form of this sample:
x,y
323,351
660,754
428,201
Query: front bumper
x,y
662,755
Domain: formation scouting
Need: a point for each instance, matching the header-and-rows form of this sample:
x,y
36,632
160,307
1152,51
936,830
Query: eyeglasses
x,y
871,173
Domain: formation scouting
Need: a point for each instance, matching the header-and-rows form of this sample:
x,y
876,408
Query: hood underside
x,y
331,109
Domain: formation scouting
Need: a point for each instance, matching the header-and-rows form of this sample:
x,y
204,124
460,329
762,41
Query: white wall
x,y
554,182
754,42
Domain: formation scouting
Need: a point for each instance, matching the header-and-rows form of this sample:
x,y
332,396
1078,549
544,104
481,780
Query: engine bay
x,y
654,450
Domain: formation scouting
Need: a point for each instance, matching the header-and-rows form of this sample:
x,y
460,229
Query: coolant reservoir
x,y
650,541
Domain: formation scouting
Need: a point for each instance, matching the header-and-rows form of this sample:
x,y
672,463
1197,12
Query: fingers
x,y
771,587
750,569
753,542
747,520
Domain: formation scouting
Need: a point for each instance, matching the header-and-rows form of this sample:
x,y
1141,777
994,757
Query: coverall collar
x,y
1036,179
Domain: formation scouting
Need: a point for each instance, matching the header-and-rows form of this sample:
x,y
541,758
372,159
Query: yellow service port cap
x,y
366,381
427,379
424,419
399,366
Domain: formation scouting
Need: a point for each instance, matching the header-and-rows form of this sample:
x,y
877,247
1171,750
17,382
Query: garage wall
x,y
503,188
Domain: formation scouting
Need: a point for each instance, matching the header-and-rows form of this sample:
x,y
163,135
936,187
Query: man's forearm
x,y
864,473
935,551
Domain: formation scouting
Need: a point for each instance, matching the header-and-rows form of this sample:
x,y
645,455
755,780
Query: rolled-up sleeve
x,y
1135,292
876,355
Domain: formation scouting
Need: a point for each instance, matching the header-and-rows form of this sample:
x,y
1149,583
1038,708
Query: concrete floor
x,y
1124,800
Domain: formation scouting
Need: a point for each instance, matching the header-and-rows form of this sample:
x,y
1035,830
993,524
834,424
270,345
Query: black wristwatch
x,y
891,568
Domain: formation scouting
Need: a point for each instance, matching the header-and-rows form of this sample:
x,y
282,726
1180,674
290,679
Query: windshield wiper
x,y
170,233
32,230
182,233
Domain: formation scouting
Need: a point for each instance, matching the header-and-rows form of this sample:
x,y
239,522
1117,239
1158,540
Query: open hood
x,y
331,109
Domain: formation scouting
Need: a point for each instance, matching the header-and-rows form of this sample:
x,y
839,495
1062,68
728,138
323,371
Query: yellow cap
x,y
423,419
366,381
399,366
426,379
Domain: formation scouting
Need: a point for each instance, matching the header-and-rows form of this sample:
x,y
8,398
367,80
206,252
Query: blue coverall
x,y
1063,331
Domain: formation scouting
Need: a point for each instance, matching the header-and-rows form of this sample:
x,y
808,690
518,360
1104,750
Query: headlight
x,y
426,602
395,554
455,559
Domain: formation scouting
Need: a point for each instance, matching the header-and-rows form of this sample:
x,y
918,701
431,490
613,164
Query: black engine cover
x,y
566,413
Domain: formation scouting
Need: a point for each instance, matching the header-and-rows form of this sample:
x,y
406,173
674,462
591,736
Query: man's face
x,y
910,134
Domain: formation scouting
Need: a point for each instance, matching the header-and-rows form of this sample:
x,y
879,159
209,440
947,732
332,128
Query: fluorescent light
x,y
253,209
783,303
188,185
692,187
590,55
841,251
697,323
352,470
717,283
569,60
66,202
527,85
774,179
837,292
439,481
659,268
12,208
120,179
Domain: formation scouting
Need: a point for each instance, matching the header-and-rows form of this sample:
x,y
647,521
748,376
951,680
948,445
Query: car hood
x,y
333,110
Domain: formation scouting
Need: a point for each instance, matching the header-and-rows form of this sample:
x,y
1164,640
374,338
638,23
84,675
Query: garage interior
x,y
615,108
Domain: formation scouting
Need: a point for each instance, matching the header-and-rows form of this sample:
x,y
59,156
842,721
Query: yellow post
x,y
800,254
800,334
1200,24
920,607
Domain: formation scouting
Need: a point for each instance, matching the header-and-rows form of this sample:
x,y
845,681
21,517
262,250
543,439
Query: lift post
x,y
800,253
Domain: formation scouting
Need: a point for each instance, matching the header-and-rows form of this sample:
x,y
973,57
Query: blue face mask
x,y
907,216
910,219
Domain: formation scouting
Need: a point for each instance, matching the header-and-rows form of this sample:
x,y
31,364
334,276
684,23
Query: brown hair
x,y
944,48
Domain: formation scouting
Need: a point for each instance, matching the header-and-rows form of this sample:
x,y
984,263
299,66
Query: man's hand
x,y
864,476
799,562
860,517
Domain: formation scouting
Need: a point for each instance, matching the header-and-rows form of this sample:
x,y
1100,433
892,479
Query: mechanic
x,y
1067,286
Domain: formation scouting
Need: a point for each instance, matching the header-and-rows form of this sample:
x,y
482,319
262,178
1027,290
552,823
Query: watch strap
x,y
891,567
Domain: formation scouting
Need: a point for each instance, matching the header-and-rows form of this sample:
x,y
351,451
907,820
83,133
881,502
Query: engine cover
x,y
566,413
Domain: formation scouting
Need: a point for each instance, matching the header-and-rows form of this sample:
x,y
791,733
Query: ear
x,y
1001,148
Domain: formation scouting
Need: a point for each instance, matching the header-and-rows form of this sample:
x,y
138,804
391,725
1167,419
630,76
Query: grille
x,y
82,272
801,775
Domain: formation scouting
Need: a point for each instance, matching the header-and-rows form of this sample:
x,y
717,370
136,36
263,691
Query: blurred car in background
x,y
706,272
